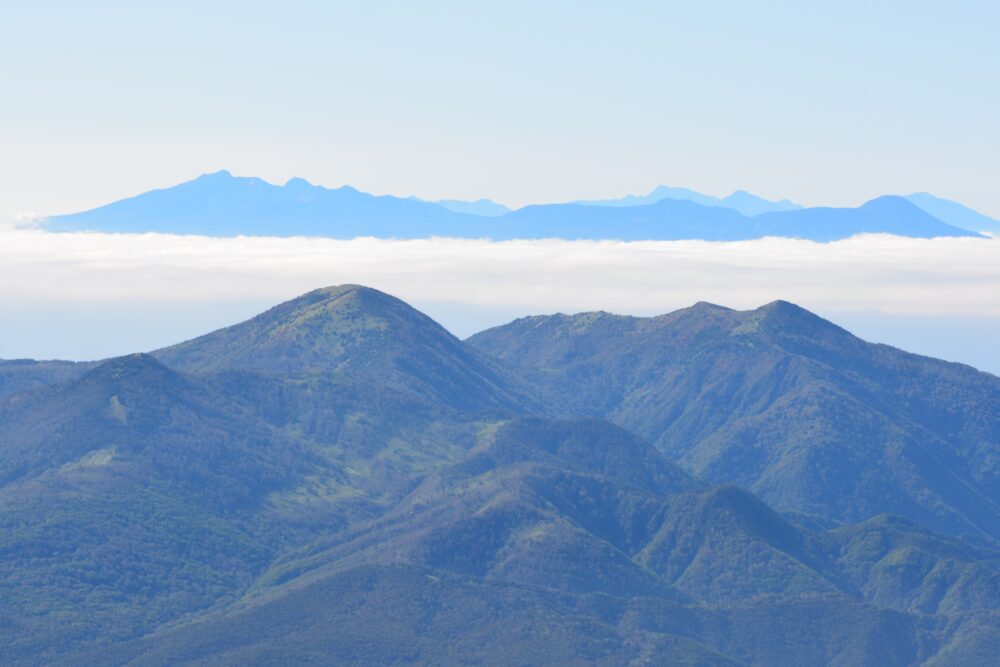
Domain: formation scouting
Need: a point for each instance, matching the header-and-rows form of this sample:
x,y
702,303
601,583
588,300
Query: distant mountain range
x,y
746,203
955,214
220,204
339,480
481,207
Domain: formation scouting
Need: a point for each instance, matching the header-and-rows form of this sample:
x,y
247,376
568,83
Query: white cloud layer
x,y
958,276
88,295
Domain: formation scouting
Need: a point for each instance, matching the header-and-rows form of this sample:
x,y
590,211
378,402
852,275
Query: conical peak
x,y
785,318
897,206
593,446
786,311
298,183
129,366
886,201
326,329
707,307
744,511
335,291
694,318
133,370
785,308
339,314
336,298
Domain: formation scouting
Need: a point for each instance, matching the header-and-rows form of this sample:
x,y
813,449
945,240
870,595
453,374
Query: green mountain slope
x,y
19,375
606,559
128,498
136,494
813,420
355,332
339,480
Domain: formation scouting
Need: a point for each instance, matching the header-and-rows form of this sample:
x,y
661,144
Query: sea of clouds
x,y
469,284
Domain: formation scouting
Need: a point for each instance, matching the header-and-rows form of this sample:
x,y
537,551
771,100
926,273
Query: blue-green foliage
x,y
339,480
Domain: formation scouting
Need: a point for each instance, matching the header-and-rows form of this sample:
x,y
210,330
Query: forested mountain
x,y
17,375
339,480
812,419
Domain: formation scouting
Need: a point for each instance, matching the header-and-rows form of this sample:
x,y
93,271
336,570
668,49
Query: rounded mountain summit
x,y
355,333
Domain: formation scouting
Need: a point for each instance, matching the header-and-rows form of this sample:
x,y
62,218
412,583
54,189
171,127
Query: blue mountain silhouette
x,y
955,214
745,202
221,204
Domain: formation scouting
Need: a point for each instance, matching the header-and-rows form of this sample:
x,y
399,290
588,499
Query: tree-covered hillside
x,y
341,481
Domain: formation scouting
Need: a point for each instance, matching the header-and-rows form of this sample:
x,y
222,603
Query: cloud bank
x,y
469,284
879,273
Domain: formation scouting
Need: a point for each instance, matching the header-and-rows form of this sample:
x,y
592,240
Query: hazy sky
x,y
825,103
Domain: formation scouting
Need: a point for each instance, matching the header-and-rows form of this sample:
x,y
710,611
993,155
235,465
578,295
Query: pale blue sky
x,y
825,103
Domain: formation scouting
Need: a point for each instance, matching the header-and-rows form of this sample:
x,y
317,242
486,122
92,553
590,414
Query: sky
x,y
824,103
521,102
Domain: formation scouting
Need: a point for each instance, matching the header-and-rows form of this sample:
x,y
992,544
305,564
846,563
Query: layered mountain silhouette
x,y
340,480
484,207
220,204
955,214
674,219
745,202
749,204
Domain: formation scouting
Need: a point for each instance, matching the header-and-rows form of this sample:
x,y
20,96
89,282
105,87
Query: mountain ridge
x,y
339,478
220,204
954,213
745,202
484,523
717,388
